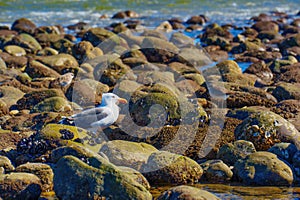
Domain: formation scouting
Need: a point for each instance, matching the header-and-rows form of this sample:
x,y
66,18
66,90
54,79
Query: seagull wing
x,y
107,118
89,116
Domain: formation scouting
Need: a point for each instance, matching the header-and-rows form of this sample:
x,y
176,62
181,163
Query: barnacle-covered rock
x,y
264,129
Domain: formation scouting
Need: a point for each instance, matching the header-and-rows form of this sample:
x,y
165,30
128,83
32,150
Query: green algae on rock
x,y
166,167
52,104
74,179
125,153
231,152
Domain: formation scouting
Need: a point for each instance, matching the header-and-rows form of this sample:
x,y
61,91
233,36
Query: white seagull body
x,y
101,116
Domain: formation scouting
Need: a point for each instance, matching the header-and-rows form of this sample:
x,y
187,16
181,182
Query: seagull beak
x,y
123,101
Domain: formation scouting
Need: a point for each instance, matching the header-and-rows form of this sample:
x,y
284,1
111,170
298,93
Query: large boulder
x,y
75,179
284,150
61,63
266,128
24,25
231,152
166,167
125,153
263,168
52,104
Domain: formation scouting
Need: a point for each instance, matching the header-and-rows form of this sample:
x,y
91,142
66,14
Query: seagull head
x,y
112,99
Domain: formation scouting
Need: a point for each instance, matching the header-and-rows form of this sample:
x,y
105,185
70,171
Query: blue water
x,y
66,12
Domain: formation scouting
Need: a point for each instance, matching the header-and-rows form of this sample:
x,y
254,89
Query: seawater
x,y
66,12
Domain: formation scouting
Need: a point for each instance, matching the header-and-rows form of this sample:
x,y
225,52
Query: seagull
x,y
103,115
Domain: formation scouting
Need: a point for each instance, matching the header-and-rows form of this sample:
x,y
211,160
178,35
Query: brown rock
x,y
24,25
266,26
14,61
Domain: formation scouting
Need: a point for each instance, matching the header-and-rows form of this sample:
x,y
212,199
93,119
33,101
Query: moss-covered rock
x,y
136,175
285,91
125,153
109,69
28,42
15,50
186,192
166,167
277,66
10,95
47,39
52,104
69,135
6,164
84,50
215,171
97,35
231,152
142,102
263,168
20,186
75,179
36,69
61,63
30,99
265,128
42,171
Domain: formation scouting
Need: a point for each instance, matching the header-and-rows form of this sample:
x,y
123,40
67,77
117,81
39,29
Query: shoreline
x,y
214,125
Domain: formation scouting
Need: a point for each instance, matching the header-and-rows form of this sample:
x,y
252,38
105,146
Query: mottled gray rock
x,y
263,168
284,151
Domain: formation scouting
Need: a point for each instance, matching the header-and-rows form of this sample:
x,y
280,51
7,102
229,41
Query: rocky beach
x,y
213,108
